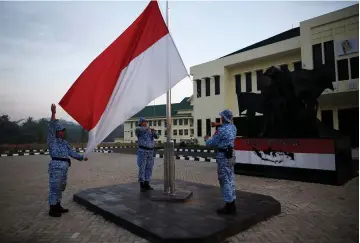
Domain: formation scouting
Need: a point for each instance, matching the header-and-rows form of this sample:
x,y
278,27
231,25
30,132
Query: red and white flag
x,y
125,77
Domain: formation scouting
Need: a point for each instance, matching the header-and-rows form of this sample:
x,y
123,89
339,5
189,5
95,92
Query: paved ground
x,y
161,151
310,212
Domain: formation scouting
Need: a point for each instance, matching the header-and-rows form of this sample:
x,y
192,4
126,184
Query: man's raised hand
x,y
53,108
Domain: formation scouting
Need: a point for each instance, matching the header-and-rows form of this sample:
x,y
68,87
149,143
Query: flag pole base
x,y
170,193
179,196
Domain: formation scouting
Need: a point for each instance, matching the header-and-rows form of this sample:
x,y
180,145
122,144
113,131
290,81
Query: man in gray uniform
x,y
145,153
223,140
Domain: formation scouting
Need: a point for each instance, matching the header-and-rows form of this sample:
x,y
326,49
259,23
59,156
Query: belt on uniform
x,y
228,152
146,148
62,159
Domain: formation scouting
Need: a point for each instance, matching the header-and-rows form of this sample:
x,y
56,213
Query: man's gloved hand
x,y
63,186
215,124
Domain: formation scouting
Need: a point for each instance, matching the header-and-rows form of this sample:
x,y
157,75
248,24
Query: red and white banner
x,y
125,77
297,153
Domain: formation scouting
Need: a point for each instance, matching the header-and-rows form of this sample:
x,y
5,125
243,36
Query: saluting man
x,y
223,140
59,150
145,153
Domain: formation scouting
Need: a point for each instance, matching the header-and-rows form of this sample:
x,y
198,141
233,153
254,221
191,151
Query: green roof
x,y
160,110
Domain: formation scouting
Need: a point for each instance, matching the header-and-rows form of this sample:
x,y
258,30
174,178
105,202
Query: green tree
x,y
83,135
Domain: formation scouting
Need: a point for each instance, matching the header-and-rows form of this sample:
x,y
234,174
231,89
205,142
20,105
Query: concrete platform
x,y
192,221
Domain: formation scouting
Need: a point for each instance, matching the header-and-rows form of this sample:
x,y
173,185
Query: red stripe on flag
x,y
315,146
88,97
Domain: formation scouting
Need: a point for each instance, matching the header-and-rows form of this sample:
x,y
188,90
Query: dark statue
x,y
288,102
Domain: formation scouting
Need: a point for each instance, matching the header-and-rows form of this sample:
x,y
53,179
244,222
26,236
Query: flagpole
x,y
169,165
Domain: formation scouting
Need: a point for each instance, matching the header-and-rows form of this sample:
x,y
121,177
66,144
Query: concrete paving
x,y
310,212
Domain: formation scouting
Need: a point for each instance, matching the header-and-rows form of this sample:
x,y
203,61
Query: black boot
x,y
147,186
61,209
142,187
53,212
228,209
233,208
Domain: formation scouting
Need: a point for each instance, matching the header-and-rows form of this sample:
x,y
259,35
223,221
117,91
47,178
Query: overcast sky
x,y
44,46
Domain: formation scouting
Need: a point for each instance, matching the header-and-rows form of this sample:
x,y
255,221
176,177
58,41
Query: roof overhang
x,y
217,66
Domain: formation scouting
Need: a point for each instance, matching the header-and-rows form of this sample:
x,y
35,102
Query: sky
x,y
46,45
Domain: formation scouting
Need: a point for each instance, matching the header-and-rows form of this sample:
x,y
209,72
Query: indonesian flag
x,y
125,77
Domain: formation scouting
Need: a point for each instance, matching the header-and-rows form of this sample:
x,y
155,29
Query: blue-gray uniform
x,y
58,148
145,153
224,137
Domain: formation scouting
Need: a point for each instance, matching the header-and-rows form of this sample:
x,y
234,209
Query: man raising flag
x,y
125,77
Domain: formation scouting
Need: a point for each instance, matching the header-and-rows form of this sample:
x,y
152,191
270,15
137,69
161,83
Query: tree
x,y
83,135
31,131
9,131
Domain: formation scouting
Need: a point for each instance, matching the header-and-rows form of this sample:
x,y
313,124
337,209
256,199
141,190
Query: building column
x,y
336,118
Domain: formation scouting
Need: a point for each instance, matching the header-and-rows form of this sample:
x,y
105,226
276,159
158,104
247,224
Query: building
x,y
331,38
119,140
182,121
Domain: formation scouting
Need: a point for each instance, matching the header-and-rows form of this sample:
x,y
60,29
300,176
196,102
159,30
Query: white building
x,y
182,121
332,39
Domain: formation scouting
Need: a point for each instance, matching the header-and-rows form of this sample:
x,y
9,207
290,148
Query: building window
x,y
150,123
238,83
199,128
259,73
317,55
159,123
175,122
180,132
175,132
354,65
218,120
180,122
343,69
165,133
284,67
186,122
159,132
131,125
330,58
217,84
297,66
192,131
248,82
131,134
207,86
186,132
327,118
165,123
198,88
208,127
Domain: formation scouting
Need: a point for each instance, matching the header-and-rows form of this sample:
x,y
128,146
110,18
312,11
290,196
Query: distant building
x,y
119,140
332,38
182,121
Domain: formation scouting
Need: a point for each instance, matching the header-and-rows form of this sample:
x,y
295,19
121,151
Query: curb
x,y
175,149
107,148
47,152
195,150
189,158
103,151
25,154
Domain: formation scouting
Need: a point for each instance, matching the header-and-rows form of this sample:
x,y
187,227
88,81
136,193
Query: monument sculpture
x,y
290,136
288,101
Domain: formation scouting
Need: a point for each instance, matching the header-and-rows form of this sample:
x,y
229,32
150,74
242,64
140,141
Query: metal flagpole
x,y
169,162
